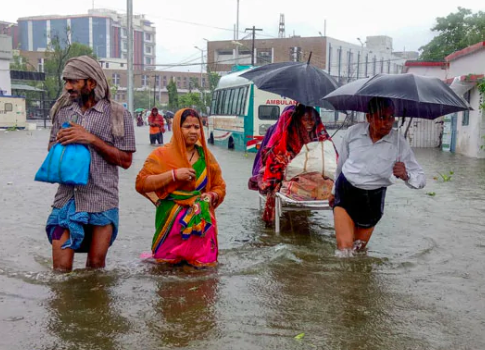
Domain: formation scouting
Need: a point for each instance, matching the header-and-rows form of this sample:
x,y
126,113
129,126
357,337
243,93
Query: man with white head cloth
x,y
85,218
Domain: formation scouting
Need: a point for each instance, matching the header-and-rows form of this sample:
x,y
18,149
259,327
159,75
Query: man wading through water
x,y
85,218
366,167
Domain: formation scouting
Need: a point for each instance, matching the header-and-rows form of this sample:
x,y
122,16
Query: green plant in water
x,y
447,177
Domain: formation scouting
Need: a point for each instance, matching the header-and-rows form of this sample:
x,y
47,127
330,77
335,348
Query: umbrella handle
x,y
398,158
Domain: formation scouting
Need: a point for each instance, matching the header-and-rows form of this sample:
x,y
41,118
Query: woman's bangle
x,y
174,178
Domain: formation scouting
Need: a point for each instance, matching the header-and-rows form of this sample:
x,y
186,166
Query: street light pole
x,y
129,85
201,72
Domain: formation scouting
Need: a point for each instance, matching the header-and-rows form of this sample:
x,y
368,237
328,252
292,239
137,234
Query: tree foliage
x,y
190,100
142,99
456,31
173,98
60,50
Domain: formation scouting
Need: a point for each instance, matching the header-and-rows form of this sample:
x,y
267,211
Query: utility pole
x,y
253,29
129,85
201,73
155,90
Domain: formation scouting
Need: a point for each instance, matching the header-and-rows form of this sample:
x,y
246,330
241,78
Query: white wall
x,y
470,137
438,72
5,57
5,83
396,63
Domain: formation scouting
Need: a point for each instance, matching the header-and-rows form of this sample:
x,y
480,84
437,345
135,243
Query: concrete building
x,y
345,61
102,30
5,58
12,30
154,83
462,132
466,69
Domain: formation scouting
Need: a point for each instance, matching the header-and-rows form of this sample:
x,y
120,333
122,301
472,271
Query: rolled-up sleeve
x,y
417,178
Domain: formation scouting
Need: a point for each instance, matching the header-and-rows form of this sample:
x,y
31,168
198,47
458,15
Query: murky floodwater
x,y
421,286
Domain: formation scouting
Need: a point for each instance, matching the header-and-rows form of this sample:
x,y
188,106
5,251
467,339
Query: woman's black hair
x,y
189,112
299,112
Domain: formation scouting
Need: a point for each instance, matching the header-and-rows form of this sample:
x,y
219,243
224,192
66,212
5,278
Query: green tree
x,y
142,99
19,63
173,98
455,32
190,100
61,50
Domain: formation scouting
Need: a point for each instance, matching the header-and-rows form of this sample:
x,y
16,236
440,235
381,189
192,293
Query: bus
x,y
241,113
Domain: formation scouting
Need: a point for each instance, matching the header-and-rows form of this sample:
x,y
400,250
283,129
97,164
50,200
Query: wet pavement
x,y
421,286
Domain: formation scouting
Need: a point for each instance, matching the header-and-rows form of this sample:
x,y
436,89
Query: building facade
x,y
5,58
154,83
344,61
105,31
462,132
12,30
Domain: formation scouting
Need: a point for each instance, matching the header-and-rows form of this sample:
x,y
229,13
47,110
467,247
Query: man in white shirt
x,y
371,158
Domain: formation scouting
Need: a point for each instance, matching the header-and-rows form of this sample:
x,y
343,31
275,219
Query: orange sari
x,y
180,199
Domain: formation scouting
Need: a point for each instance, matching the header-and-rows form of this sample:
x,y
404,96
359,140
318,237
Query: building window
x,y
203,82
107,64
466,114
148,37
268,112
148,50
144,80
123,32
116,78
148,60
122,65
8,107
40,65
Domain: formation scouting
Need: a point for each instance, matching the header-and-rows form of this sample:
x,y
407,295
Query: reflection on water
x,y
185,309
82,312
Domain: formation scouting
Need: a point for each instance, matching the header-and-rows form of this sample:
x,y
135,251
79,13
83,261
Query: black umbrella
x,y
301,82
413,95
169,114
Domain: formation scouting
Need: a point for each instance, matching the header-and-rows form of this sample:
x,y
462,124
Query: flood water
x,y
421,285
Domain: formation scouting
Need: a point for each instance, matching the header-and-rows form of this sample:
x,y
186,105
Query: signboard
x,y
5,47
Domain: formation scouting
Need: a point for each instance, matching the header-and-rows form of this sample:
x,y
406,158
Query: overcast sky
x,y
407,22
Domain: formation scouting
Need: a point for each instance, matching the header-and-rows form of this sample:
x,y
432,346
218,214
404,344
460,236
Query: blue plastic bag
x,y
67,165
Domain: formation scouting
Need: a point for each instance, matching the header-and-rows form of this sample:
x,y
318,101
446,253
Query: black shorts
x,y
365,207
156,138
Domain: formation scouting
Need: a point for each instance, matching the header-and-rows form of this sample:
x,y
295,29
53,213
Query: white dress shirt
x,y
368,165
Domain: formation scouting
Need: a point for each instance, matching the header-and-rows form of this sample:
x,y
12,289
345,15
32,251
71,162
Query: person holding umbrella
x,y
371,157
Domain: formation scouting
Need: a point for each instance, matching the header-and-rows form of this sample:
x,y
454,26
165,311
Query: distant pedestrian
x,y
85,218
156,122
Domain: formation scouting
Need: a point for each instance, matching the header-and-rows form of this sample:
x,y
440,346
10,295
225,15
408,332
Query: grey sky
x,y
407,22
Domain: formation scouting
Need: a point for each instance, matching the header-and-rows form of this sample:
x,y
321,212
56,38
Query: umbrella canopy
x,y
169,114
301,82
139,110
413,95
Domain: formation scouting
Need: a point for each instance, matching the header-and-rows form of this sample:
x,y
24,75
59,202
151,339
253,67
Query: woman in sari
x,y
184,181
295,128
